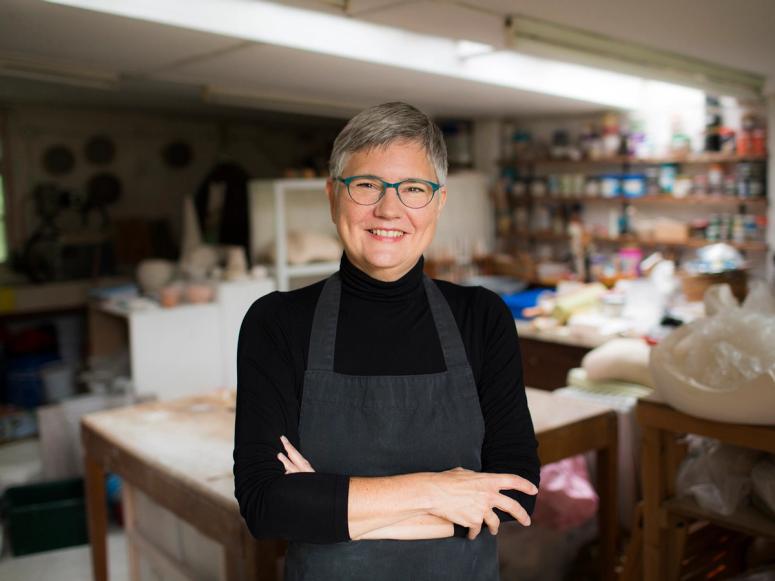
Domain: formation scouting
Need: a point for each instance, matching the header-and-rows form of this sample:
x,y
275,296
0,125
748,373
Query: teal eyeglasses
x,y
368,190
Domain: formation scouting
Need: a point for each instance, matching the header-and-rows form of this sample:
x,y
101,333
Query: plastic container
x,y
610,185
45,516
634,186
517,302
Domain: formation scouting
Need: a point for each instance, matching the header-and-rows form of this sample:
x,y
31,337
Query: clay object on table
x,y
198,262
199,292
192,233
170,295
236,263
304,247
152,274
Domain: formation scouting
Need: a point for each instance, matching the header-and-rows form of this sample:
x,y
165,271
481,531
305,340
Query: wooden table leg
x,y
654,541
608,518
261,559
96,506
130,525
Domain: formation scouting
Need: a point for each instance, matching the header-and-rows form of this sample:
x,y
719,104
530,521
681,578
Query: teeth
x,y
388,233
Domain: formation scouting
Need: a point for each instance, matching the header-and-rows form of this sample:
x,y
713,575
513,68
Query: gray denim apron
x,y
384,425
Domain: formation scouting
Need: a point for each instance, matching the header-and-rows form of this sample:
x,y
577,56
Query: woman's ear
x,y
332,201
442,197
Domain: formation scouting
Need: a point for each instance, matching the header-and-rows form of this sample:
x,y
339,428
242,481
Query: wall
x,y
150,188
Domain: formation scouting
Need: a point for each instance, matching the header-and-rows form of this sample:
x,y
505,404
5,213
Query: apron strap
x,y
446,327
323,336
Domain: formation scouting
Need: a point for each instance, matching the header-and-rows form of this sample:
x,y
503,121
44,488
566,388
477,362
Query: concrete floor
x,y
70,564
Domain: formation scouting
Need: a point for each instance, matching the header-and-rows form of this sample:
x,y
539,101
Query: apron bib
x,y
380,425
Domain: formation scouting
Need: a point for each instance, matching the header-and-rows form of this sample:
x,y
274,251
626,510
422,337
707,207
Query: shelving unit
x,y
563,202
691,243
621,160
313,214
666,515
654,199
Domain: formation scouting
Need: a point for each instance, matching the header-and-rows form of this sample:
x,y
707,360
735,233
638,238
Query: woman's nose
x,y
390,205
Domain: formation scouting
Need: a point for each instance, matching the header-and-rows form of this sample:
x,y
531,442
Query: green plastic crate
x,y
45,516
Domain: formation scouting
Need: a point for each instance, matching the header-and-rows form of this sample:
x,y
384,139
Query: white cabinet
x,y
279,205
182,350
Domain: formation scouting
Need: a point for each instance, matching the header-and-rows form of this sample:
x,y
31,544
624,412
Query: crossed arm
x,y
423,505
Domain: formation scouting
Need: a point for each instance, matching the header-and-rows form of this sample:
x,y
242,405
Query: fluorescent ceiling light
x,y
292,102
468,49
547,39
57,72
348,38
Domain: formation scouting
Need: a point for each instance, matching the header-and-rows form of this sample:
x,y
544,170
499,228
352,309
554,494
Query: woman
x,y
381,416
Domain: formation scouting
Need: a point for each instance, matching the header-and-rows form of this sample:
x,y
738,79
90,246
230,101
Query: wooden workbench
x,y
179,453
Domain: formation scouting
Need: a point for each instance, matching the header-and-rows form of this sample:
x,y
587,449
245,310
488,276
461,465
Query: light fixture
x,y
256,99
56,72
467,49
550,40
299,29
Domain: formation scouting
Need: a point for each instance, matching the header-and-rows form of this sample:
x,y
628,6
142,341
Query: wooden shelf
x,y
538,236
651,199
753,246
621,160
747,519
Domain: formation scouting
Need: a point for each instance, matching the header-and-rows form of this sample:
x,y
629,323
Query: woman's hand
x,y
468,498
293,461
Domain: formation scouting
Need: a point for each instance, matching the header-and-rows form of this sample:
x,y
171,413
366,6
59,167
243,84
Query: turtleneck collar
x,y
357,282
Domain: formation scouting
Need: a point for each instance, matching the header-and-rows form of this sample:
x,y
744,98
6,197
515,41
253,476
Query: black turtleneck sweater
x,y
271,359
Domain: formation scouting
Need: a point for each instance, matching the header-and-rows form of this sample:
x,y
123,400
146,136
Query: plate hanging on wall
x,y
177,154
58,160
100,150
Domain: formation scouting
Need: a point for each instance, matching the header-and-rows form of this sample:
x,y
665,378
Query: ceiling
x,y
167,66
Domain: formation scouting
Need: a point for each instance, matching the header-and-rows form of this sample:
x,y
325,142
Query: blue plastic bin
x,y
517,302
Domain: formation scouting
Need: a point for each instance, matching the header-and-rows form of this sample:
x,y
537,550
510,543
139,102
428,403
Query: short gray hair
x,y
384,124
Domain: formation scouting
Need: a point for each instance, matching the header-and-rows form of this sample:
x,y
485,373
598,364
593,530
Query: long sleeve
x,y
510,444
309,507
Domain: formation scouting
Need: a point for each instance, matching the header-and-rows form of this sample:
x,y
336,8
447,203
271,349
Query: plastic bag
x,y
735,343
763,480
722,367
566,498
717,475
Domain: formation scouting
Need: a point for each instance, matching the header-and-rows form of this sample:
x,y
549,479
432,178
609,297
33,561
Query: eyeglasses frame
x,y
386,185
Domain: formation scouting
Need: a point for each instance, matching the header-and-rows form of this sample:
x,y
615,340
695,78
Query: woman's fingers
x,y
492,521
514,482
473,531
512,507
287,464
293,454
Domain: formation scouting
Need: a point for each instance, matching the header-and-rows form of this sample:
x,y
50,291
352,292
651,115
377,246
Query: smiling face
x,y
386,239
